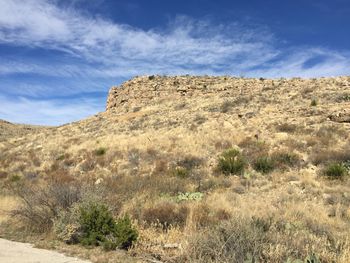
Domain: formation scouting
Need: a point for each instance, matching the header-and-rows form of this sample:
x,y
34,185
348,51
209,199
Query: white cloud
x,y
47,112
184,46
331,63
184,43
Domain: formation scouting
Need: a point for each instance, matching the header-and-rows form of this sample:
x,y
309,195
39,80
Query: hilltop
x,y
158,154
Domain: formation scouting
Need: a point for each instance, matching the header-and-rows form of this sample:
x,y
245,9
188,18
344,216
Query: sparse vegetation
x,y
189,170
313,103
284,159
98,228
264,164
41,203
100,151
287,127
180,172
226,106
335,170
166,214
253,240
232,162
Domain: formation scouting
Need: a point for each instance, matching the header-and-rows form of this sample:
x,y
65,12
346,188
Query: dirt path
x,y
15,252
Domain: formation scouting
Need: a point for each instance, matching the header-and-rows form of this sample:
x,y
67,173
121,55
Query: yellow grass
x,y
163,133
7,204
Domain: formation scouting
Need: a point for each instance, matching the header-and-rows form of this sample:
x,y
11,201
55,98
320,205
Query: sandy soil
x,y
15,252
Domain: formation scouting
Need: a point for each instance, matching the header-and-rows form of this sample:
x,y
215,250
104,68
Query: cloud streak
x,y
185,45
48,112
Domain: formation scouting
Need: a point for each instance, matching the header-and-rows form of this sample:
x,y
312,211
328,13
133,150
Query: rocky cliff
x,y
151,89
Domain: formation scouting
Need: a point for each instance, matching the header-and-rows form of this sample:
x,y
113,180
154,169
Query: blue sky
x,y
59,58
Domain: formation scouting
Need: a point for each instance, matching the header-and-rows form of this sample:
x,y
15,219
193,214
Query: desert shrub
x,y
231,162
226,106
66,225
96,223
125,233
230,241
253,149
243,100
313,102
283,159
134,157
15,178
190,162
204,216
307,92
89,163
180,172
343,97
98,228
40,203
327,135
287,127
260,239
264,164
213,183
166,214
335,170
222,144
331,131
324,156
136,109
92,224
199,119
100,151
160,167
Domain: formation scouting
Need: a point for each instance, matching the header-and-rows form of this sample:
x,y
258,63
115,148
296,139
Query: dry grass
x,y
142,156
7,205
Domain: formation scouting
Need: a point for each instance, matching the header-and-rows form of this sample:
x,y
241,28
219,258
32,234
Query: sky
x,y
58,58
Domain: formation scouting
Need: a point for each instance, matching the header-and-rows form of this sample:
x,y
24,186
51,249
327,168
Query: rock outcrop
x,y
150,89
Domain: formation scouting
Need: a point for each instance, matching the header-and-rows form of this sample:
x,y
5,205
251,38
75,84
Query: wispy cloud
x,y
99,52
119,50
185,43
48,112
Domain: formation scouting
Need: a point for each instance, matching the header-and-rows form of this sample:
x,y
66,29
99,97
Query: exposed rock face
x,y
150,89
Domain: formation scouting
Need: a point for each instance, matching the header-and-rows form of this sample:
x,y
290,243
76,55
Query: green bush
x,y
99,228
314,103
335,170
232,162
100,151
125,234
264,164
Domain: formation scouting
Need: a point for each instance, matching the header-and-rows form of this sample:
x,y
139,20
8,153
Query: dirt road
x,y
15,252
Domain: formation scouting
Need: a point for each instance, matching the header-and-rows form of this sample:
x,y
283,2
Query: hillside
x,y
158,154
8,130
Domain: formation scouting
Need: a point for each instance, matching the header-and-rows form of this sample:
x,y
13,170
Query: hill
x,y
211,169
